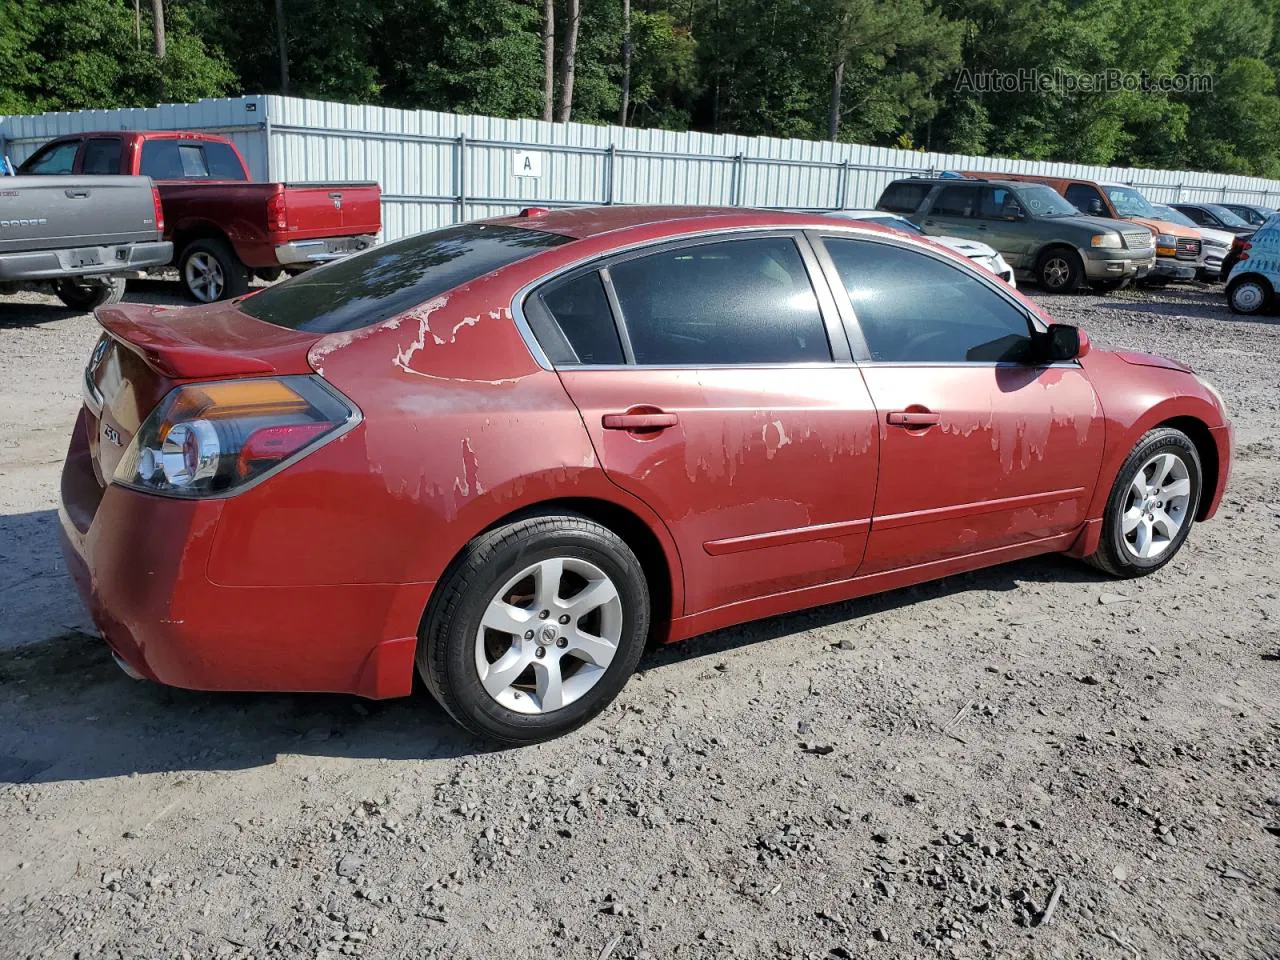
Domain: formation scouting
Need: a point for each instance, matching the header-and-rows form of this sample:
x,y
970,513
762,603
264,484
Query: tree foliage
x,y
874,71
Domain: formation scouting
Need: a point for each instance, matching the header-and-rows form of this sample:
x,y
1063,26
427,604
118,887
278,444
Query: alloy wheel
x,y
1056,272
203,275
548,635
1156,505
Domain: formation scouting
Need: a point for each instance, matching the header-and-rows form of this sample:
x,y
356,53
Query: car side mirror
x,y
1063,342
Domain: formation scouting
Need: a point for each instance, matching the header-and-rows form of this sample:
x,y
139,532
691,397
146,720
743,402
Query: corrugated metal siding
x,y
242,119
439,168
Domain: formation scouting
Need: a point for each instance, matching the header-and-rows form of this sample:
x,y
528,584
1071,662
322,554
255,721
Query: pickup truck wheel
x,y
211,271
88,294
1059,270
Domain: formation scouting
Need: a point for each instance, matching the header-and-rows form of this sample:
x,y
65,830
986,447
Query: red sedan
x,y
508,453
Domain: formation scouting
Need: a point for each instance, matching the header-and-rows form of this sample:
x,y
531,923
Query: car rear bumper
x,y
139,563
84,261
306,253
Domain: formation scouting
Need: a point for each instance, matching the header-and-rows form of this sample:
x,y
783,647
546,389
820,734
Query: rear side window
x,y
376,285
581,309
222,162
59,158
913,308
732,301
954,202
903,197
101,156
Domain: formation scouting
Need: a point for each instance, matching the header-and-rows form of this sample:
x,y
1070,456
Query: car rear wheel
x,y
88,294
1152,505
1249,295
211,271
1059,270
535,628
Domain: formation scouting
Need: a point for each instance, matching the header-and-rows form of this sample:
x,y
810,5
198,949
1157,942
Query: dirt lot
x,y
1030,761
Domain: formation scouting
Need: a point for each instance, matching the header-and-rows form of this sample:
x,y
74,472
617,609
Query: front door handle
x,y
914,419
656,420
75,193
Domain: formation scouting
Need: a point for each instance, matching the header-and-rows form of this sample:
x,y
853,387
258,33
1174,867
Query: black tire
x,y
89,294
447,644
213,260
1059,270
1114,554
1107,286
1250,294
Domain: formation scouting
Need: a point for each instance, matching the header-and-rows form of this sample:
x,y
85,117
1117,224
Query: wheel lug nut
x,y
564,618
543,614
540,652
528,634
562,643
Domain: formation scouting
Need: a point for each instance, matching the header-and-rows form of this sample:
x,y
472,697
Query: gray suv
x,y
1042,236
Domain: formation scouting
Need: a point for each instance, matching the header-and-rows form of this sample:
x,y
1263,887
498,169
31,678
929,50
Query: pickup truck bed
x,y
80,233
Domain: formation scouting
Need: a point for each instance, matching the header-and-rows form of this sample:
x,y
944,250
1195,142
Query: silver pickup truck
x,y
81,236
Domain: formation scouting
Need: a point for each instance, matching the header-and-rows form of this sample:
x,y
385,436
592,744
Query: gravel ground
x,y
1029,761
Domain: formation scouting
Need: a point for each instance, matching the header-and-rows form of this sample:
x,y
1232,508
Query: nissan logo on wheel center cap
x,y
548,635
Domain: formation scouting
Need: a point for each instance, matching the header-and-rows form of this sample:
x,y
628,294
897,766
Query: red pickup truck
x,y
224,229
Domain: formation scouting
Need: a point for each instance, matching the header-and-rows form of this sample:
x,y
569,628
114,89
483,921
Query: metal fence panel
x,y
439,168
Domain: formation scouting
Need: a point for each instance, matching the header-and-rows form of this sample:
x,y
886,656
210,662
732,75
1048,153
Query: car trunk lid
x,y
147,350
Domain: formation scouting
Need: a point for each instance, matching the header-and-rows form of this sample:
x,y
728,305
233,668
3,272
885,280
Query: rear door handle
x,y
914,418
639,421
75,194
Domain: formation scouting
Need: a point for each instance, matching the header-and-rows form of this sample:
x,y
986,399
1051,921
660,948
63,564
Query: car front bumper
x,y
84,261
140,564
1167,268
1102,264
310,253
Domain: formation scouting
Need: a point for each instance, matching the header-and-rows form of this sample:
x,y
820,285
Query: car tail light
x,y
1245,247
212,439
159,208
278,212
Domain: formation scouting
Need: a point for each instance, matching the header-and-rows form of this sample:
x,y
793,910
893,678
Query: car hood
x,y
1104,223
1137,359
967,248
1219,238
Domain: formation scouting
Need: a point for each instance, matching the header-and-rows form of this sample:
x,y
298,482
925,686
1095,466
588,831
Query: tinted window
x,y
378,284
903,197
192,158
913,308
998,203
734,301
161,160
101,157
53,160
1080,195
1198,215
1226,216
955,202
222,162
581,309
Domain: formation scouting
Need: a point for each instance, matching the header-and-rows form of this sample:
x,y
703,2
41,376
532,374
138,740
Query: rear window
x,y
203,160
376,285
903,197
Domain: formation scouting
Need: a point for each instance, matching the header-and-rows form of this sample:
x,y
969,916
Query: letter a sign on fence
x,y
527,163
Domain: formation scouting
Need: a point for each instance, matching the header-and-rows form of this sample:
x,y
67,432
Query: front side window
x,y
57,159
913,308
386,280
727,302
101,156
955,201
1086,199
998,203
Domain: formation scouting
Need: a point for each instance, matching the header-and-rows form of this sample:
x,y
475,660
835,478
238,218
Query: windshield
x,y
376,285
1042,201
1226,216
1172,215
1129,202
894,223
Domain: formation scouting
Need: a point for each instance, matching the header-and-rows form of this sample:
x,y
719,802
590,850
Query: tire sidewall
x,y
1073,262
1258,282
235,277
105,291
1165,440
483,714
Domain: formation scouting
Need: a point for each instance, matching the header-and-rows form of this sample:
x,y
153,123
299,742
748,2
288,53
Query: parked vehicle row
x,y
223,228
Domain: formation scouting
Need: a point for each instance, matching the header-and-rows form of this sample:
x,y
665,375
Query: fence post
x,y
461,165
609,172
735,183
842,191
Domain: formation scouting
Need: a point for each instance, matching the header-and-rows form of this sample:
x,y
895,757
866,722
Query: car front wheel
x,y
535,628
1059,270
1152,505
